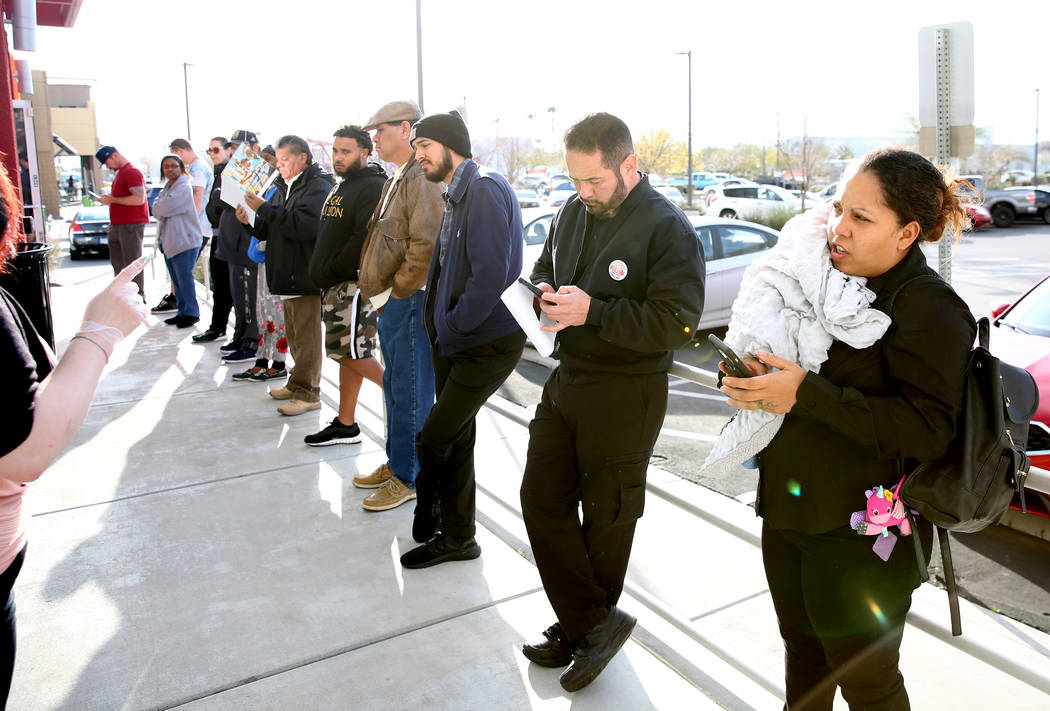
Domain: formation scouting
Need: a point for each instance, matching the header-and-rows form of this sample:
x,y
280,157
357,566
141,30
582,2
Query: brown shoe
x,y
281,394
298,407
374,480
392,495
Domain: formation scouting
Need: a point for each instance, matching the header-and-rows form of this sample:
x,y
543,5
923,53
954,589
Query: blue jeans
x,y
408,381
180,269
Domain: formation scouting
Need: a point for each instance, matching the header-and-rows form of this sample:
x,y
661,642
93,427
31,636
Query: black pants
x,y
841,611
589,443
221,296
246,324
445,446
7,625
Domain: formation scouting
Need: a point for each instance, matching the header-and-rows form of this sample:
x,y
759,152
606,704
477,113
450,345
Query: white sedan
x,y
729,247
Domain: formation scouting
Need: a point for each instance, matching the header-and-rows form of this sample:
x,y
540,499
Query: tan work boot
x,y
298,407
392,495
281,394
374,480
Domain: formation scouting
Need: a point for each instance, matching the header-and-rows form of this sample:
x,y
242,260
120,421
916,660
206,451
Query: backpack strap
x,y
949,581
983,330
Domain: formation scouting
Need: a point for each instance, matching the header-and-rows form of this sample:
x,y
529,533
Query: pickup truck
x,y
700,181
1010,204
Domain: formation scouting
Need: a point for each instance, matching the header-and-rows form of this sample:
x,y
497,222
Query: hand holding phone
x,y
734,365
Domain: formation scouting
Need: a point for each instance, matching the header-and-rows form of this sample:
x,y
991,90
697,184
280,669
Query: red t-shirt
x,y
126,178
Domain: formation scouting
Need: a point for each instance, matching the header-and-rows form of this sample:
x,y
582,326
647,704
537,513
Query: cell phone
x,y
530,286
734,364
96,196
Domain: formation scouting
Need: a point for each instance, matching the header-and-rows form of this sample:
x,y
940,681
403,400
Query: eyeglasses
x,y
214,150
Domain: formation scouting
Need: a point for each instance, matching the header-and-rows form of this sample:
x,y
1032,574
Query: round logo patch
x,y
618,270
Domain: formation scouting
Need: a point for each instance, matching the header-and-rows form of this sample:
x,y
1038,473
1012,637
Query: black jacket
x,y
289,228
871,413
213,208
344,226
646,283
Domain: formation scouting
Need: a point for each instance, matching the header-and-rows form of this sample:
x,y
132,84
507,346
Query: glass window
x,y
741,192
741,240
768,194
706,241
1032,313
536,231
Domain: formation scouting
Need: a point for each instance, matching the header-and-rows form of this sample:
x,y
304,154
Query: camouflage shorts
x,y
350,323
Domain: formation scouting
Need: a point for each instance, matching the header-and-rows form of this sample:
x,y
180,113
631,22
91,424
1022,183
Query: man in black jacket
x,y
350,321
623,278
232,248
222,297
288,223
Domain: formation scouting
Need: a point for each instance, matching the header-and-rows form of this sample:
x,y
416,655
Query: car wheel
x,y
1003,216
75,254
728,214
1046,215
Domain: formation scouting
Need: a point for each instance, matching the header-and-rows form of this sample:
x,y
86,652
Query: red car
x,y
979,216
1021,336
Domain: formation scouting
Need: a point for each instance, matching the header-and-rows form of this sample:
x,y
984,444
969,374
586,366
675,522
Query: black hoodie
x,y
344,226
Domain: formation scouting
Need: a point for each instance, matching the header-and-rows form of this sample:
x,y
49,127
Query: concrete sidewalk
x,y
188,551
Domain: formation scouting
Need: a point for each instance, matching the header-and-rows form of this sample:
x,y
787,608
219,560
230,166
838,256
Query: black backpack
x,y
970,487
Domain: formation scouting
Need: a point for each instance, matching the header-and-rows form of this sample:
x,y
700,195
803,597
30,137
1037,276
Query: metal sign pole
x,y
943,61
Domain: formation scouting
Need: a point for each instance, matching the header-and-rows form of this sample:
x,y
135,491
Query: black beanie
x,y
447,129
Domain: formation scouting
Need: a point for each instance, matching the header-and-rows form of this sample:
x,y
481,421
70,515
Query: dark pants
x,y
242,287
841,613
445,447
125,246
7,625
221,295
589,443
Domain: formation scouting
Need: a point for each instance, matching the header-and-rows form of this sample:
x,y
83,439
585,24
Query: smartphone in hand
x,y
734,365
530,286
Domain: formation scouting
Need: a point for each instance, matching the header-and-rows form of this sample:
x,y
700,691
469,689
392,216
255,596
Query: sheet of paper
x,y
379,300
518,300
230,193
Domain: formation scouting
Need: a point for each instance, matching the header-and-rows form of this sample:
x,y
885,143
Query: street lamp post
x,y
689,144
1035,151
419,54
186,89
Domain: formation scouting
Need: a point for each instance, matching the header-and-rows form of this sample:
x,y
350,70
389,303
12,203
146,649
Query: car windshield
x,y
93,213
1032,313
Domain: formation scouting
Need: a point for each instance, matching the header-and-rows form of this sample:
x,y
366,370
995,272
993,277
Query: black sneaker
x,y
238,356
208,336
335,433
271,374
166,304
172,320
230,347
250,373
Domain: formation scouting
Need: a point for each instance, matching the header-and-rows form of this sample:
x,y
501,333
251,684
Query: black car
x,y
88,232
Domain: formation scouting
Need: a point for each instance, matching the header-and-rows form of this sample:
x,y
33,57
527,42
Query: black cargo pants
x,y
589,445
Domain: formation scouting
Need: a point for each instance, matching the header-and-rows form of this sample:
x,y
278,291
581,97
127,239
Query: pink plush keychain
x,y
884,509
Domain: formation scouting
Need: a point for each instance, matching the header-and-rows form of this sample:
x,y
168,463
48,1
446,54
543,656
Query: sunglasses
x,y
214,150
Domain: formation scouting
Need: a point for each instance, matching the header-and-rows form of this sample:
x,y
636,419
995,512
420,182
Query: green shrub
x,y
775,219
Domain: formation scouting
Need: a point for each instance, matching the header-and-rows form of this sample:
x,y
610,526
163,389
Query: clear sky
x,y
308,66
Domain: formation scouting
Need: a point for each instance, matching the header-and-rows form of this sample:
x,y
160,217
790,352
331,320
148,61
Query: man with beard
x,y
350,321
474,340
623,278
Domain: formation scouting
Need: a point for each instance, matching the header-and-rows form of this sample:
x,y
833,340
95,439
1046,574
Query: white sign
x,y
960,62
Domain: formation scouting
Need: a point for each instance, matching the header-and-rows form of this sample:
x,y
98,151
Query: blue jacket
x,y
483,257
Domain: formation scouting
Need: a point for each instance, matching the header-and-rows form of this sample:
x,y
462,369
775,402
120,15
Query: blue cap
x,y
104,153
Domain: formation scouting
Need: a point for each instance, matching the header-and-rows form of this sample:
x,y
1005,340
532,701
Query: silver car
x,y
729,247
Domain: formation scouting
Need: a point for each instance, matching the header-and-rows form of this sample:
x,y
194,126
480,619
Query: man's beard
x,y
442,169
607,209
352,169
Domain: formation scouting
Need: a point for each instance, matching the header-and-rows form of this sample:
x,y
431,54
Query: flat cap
x,y
395,112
